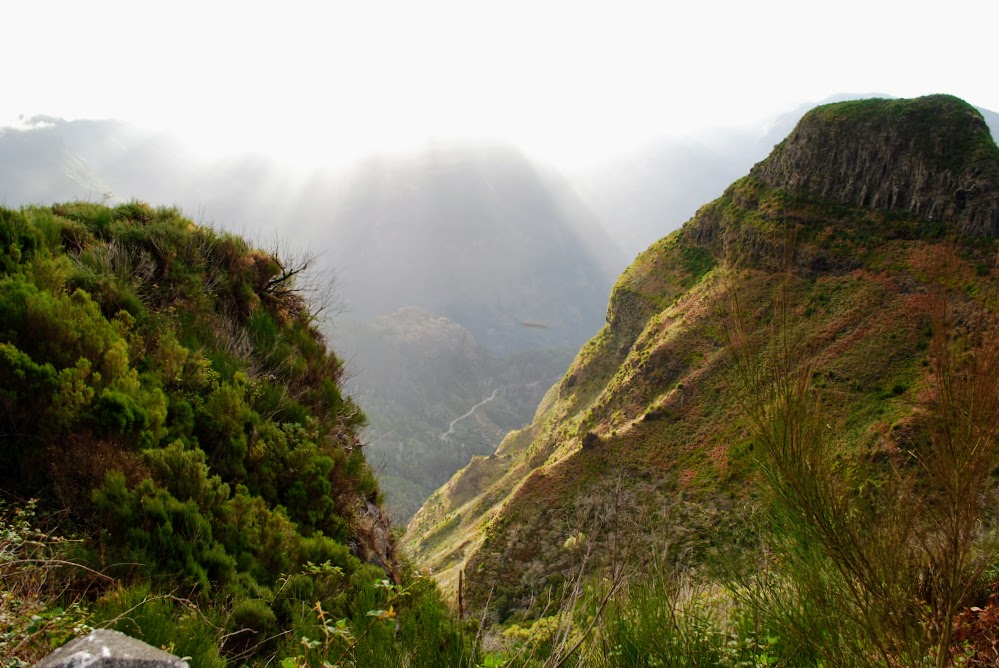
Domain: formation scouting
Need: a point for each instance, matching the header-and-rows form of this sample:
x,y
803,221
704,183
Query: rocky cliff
x,y
932,157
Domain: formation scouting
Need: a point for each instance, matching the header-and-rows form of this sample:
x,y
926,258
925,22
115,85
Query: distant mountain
x,y
470,276
43,162
54,160
479,235
490,244
645,194
992,120
825,264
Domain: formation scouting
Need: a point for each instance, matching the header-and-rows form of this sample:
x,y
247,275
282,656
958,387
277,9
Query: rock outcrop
x,y
932,156
109,649
375,543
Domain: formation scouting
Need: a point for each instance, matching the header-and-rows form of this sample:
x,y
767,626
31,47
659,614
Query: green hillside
x,y
177,459
783,438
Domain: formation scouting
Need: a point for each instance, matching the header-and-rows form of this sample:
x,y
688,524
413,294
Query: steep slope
x,y
645,445
167,401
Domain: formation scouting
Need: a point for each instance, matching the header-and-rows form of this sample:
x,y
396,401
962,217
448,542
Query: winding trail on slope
x,y
471,411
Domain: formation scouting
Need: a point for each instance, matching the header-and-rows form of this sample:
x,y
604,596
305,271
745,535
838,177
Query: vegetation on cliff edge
x,y
177,459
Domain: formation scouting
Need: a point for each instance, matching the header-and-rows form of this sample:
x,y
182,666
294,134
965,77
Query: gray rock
x,y
109,649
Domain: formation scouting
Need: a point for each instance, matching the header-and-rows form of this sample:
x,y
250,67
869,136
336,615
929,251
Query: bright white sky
x,y
570,80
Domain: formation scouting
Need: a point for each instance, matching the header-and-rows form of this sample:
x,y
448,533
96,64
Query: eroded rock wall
x,y
933,157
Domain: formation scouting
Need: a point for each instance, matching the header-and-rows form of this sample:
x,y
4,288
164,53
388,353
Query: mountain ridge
x,y
645,425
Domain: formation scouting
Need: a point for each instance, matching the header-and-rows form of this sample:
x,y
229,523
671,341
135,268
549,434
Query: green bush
x,y
117,412
253,615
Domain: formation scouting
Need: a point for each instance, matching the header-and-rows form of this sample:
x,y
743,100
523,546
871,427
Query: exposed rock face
x,y
110,649
932,156
375,543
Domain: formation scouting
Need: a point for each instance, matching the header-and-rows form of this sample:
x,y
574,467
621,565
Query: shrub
x,y
116,412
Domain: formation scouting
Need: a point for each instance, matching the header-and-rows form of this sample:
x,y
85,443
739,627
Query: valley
x,y
770,439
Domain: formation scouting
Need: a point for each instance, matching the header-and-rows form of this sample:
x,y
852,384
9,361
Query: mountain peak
x,y
932,156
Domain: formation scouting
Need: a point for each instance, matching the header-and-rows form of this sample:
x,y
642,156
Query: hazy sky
x,y
570,80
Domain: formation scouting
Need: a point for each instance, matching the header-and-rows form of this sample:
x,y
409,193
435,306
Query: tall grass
x,y
667,618
871,574
958,465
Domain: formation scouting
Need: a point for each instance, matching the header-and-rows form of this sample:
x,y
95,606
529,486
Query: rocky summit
x,y
932,157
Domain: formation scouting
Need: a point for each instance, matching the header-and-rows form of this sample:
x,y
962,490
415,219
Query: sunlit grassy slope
x,y
644,446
